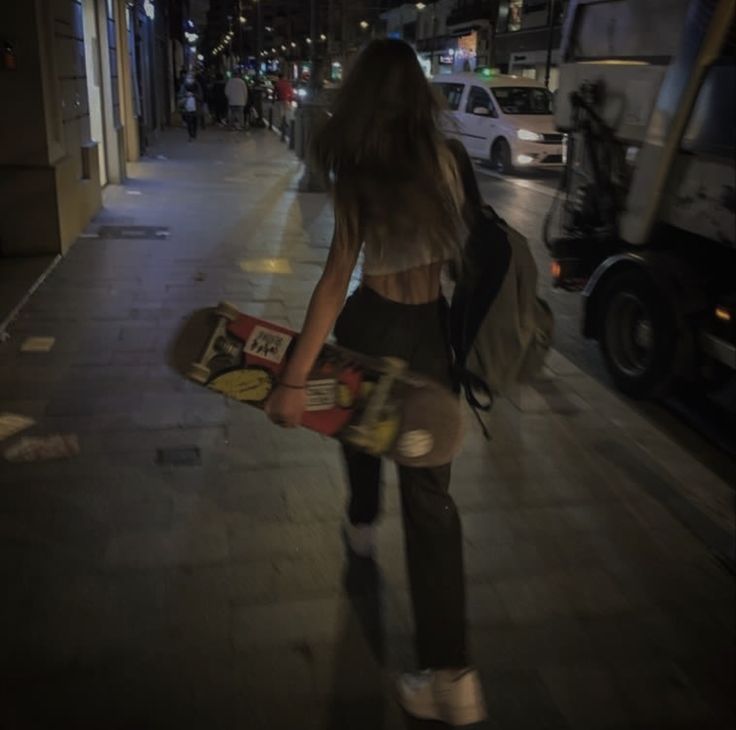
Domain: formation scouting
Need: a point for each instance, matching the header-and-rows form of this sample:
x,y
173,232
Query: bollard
x,y
312,116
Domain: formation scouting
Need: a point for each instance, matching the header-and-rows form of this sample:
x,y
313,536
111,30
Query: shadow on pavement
x,y
358,699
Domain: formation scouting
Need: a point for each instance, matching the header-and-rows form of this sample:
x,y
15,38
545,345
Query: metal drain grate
x,y
179,456
134,232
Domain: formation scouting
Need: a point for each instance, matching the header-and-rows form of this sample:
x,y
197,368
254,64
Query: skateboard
x,y
375,405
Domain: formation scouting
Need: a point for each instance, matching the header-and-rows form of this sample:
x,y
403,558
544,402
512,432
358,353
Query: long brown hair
x,y
393,179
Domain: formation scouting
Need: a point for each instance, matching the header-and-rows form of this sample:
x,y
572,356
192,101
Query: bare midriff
x,y
413,286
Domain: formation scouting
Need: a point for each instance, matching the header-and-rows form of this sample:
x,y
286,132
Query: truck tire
x,y
501,157
637,334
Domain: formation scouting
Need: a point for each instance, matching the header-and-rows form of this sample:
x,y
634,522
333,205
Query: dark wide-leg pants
x,y
416,333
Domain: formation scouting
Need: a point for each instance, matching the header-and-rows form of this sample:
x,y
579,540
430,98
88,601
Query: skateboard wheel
x,y
415,444
198,373
227,310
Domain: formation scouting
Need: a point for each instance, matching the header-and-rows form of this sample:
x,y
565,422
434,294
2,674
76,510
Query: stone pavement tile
x,y
196,618
658,692
471,494
296,622
489,561
536,598
180,411
314,503
592,592
712,676
513,646
518,700
90,404
316,575
79,617
488,527
67,531
249,542
195,545
247,497
100,504
586,694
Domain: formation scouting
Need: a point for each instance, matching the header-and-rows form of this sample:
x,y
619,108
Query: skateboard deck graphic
x,y
373,404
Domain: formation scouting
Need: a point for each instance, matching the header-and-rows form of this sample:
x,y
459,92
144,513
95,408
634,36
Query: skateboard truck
x,y
364,434
216,345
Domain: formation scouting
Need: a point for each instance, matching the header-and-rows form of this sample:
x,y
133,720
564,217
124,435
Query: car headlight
x,y
529,136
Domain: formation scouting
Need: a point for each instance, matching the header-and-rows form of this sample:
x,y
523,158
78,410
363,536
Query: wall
x,y
49,167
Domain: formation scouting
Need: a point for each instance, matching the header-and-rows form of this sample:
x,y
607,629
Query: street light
x,y
420,6
364,24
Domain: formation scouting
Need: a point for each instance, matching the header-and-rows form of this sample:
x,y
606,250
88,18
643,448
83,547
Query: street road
x,y
706,429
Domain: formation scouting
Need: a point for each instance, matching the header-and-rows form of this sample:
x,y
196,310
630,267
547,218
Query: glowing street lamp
x,y
419,6
364,24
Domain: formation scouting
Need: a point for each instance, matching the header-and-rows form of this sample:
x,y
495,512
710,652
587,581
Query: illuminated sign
x,y
468,44
150,9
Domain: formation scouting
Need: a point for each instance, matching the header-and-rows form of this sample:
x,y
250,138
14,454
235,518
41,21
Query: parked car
x,y
506,120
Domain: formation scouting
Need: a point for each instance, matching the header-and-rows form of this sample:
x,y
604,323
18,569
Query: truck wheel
x,y
501,156
637,335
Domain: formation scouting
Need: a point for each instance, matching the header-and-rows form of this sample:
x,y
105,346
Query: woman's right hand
x,y
286,406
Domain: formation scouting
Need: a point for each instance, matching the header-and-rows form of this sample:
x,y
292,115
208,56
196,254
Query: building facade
x,y
82,96
510,36
527,39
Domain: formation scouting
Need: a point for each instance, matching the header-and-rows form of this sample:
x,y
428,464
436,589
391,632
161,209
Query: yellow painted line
x,y
266,266
37,344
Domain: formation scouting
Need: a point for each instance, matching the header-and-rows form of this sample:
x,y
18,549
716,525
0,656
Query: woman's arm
x,y
286,405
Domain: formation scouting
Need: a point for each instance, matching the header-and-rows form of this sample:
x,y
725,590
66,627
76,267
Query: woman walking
x,y
398,197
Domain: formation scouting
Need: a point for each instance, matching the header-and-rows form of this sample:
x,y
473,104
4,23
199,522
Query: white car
x,y
506,120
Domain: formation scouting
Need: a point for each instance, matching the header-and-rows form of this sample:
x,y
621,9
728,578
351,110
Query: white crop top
x,y
382,260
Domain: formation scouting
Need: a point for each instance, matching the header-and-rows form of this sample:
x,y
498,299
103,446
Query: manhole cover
x,y
136,232
179,456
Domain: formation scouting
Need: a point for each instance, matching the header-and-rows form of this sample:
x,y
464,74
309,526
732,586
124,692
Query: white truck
x,y
645,224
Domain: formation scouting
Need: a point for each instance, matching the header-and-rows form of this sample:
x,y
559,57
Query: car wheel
x,y
501,156
637,334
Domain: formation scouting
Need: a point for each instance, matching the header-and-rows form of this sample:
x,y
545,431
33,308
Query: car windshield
x,y
523,100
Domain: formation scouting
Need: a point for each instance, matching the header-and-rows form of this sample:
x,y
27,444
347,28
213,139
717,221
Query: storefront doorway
x,y
94,83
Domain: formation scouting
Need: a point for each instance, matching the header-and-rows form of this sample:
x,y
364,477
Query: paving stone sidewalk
x,y
185,569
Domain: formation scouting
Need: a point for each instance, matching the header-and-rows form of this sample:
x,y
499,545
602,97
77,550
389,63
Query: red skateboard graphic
x,y
374,404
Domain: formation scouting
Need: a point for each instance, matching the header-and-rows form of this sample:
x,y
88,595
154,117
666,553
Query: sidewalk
x,y
185,569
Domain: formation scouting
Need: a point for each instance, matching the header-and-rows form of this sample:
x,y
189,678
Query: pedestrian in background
x,y
236,91
284,98
398,196
191,106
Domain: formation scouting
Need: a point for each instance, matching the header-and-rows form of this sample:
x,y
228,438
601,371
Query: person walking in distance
x,y
236,91
191,104
398,196
284,99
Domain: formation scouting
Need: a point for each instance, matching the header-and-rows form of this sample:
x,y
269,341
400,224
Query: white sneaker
x,y
452,696
361,539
